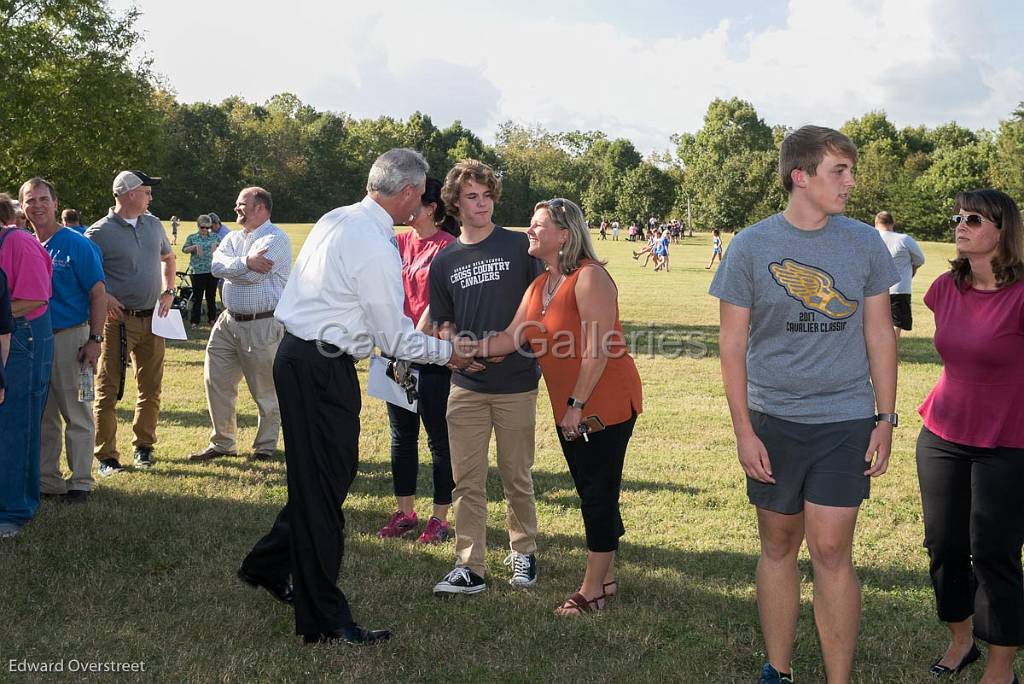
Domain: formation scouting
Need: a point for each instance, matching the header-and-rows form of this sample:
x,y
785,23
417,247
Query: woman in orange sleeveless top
x,y
570,318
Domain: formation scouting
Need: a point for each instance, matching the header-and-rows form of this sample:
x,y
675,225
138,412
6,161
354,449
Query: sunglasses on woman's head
x,y
972,220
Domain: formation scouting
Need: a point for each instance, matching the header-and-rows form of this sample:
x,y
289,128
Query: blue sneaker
x,y
769,675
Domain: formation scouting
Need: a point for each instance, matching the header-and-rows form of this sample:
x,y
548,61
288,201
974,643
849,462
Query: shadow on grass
x,y
154,578
195,419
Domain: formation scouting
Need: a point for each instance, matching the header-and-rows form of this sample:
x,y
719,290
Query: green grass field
x,y
145,571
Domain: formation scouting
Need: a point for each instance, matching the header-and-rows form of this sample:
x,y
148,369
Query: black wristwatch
x,y
168,291
98,339
893,418
576,403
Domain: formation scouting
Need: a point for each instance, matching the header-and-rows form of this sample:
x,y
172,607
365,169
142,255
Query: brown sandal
x,y
580,604
610,594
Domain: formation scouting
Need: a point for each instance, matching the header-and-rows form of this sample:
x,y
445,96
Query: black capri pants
x,y
974,531
596,469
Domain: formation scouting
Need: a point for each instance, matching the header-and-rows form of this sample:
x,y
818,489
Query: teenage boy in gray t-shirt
x,y
808,357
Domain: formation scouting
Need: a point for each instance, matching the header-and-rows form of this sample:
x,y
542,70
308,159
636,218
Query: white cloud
x,y
917,59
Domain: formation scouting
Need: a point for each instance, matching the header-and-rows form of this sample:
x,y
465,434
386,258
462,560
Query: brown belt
x,y
244,318
138,313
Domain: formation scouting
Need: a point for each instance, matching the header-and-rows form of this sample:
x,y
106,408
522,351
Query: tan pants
x,y
471,416
146,352
235,349
62,403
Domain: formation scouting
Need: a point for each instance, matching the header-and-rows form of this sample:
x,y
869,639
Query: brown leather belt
x,y
138,313
244,318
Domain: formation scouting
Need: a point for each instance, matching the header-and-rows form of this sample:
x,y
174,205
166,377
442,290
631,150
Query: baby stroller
x,y
184,294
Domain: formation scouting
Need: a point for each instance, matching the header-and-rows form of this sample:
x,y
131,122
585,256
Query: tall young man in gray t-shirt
x,y
808,358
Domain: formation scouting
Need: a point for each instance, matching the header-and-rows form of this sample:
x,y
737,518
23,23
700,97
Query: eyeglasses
x,y
972,220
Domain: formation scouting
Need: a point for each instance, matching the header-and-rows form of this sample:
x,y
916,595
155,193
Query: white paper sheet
x,y
380,386
170,326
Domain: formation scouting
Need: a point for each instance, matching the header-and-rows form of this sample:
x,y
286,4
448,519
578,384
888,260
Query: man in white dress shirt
x,y
344,296
254,263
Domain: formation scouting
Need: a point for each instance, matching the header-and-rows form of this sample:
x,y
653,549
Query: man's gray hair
x,y
395,169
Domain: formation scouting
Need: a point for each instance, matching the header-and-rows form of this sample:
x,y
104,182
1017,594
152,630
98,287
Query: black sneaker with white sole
x,y
110,466
143,457
461,580
524,569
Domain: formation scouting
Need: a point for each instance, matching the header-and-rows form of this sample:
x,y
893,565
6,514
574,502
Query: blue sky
x,y
642,70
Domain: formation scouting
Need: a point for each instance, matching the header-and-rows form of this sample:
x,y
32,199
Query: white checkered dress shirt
x,y
245,291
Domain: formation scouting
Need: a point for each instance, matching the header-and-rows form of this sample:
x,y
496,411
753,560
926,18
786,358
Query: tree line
x,y
81,108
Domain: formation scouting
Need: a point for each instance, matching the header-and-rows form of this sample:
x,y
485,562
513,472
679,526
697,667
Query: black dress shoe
x,y
937,670
353,635
281,590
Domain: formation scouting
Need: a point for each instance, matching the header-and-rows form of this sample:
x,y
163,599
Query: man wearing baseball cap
x,y
139,267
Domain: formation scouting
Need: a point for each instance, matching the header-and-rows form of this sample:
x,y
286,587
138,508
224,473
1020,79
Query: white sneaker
x,y
524,569
461,580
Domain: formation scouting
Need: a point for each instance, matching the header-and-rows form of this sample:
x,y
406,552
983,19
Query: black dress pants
x,y
320,402
974,531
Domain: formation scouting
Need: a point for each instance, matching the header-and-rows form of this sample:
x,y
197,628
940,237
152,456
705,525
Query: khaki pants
x,y
62,402
471,416
235,349
146,352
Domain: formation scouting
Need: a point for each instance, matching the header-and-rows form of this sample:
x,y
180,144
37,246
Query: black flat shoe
x,y
282,590
353,635
937,670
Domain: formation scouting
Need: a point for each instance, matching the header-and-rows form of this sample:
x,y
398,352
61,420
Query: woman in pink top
x,y
432,231
28,268
970,454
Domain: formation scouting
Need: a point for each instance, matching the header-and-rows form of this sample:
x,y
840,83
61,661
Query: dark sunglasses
x,y
972,220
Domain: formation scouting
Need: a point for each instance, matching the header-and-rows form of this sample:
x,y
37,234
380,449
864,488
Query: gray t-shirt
x,y
131,258
906,255
806,356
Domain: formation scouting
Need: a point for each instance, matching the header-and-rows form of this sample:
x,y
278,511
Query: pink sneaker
x,y
399,525
435,532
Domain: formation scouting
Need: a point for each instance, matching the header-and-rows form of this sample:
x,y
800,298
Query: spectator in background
x,y
137,261
174,229
970,453
201,245
78,308
70,218
219,229
615,230
19,220
432,231
254,263
908,257
27,268
716,248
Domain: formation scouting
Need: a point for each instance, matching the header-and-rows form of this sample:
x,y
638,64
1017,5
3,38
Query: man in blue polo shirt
x,y
77,311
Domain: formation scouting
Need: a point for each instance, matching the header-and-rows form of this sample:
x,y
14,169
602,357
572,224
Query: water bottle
x,y
86,391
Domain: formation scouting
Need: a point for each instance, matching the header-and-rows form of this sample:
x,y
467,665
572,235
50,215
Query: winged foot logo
x,y
813,288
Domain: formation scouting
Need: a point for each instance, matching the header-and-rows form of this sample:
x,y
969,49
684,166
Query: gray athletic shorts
x,y
822,463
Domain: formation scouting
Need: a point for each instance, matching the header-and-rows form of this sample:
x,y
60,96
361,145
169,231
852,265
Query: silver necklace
x,y
549,292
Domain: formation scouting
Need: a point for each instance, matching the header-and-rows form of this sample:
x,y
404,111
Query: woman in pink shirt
x,y
432,231
970,454
28,268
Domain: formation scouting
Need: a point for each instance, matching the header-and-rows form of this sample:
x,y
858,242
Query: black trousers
x,y
596,469
434,383
974,531
320,403
204,286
